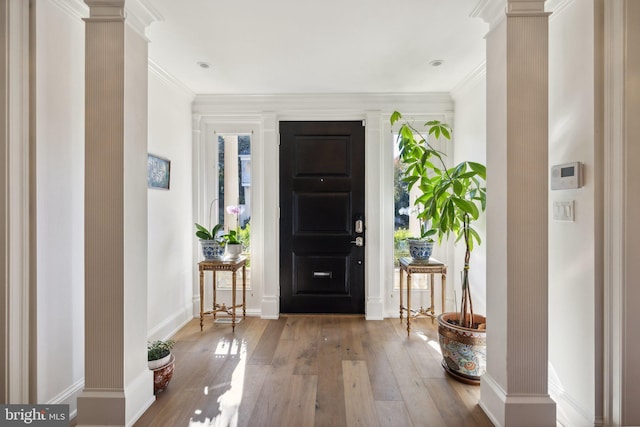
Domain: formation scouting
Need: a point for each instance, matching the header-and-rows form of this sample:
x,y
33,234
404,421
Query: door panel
x,y
321,197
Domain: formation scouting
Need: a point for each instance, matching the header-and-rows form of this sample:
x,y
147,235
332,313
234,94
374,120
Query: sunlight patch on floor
x,y
229,401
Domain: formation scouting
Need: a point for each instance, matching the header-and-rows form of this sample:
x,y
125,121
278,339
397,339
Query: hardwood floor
x,y
312,371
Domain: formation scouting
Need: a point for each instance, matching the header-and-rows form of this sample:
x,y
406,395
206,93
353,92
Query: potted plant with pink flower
x,y
232,238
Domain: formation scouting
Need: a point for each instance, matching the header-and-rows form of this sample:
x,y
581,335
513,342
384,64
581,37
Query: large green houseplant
x,y
449,199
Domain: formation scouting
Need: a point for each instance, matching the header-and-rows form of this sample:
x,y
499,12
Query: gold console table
x,y
431,267
233,266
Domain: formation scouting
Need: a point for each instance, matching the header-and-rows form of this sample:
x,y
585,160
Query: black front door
x,y
321,202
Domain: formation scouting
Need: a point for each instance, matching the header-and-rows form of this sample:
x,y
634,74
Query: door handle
x,y
359,226
322,274
358,242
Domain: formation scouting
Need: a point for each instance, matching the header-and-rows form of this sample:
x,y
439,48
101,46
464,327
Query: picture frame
x,y
158,172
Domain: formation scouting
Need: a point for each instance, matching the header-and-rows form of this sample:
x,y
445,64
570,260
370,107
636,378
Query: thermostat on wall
x,y
566,176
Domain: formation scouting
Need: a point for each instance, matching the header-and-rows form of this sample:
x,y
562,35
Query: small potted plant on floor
x,y
451,199
161,362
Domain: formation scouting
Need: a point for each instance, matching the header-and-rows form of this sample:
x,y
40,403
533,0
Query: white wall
x,y
470,144
170,225
573,256
59,67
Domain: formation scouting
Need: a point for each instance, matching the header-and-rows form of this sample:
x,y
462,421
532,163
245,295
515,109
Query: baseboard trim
x,y
171,324
139,396
270,307
374,309
569,411
69,396
515,410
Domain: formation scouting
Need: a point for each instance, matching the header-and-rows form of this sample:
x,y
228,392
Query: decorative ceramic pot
x,y
162,376
212,249
233,250
464,350
420,249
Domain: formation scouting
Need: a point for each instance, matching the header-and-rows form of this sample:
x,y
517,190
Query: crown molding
x,y
470,80
168,79
557,6
328,104
75,8
141,14
490,11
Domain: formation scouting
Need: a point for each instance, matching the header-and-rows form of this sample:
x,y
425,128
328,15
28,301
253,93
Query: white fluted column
x,y
231,180
118,384
514,389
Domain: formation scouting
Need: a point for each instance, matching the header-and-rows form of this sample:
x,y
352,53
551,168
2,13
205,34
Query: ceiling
x,y
317,46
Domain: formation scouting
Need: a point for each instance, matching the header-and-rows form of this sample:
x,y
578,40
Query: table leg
x,y
214,295
401,295
201,298
233,302
244,291
408,303
444,290
433,306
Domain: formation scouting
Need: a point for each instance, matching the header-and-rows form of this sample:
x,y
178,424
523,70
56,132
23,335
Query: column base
x,y
270,307
374,309
515,410
101,407
98,407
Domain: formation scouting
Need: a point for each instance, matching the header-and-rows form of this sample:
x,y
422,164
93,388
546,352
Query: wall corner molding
x,y
614,211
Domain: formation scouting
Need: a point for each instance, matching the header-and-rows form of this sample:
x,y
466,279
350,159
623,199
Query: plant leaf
x,y
395,116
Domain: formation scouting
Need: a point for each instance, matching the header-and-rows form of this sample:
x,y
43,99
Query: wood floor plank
x,y
351,342
254,379
273,401
449,404
421,407
266,347
359,404
383,383
470,396
393,414
302,401
330,409
305,351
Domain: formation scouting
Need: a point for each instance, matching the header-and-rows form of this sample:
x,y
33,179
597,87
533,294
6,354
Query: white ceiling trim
x,y
76,8
490,11
168,79
140,14
470,81
319,105
557,6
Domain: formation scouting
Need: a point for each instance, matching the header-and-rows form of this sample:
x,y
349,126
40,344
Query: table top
x,y
222,264
410,262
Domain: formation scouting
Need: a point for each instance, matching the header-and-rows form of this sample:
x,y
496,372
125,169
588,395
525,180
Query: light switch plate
x,y
563,210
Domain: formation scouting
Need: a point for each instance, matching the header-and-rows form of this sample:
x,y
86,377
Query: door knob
x,y
358,242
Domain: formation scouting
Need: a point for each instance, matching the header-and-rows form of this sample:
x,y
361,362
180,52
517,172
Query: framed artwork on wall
x,y
158,172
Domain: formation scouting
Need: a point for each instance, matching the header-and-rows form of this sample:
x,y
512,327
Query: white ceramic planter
x,y
234,250
158,363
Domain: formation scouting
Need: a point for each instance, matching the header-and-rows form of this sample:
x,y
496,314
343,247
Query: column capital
x,y
107,10
139,14
494,11
525,6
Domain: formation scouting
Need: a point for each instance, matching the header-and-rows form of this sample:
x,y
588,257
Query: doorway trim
x,y
266,111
